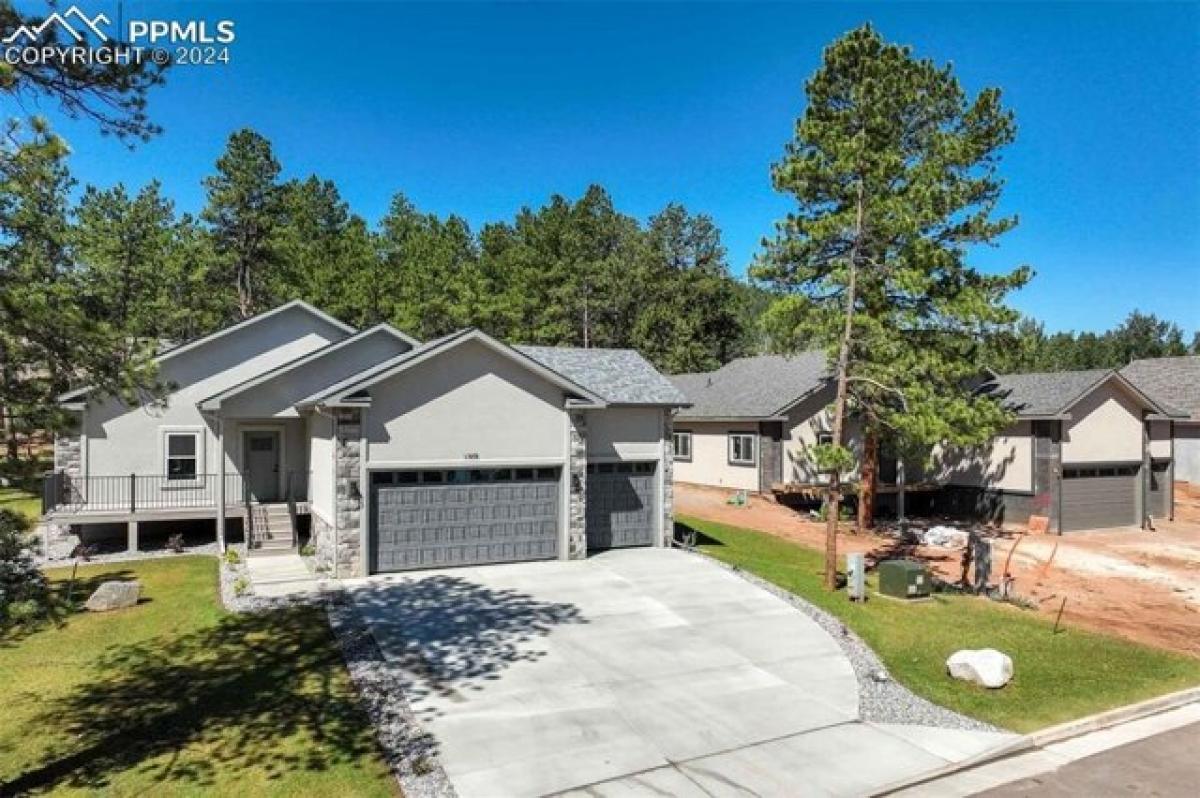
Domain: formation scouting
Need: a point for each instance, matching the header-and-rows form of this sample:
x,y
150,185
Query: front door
x,y
260,464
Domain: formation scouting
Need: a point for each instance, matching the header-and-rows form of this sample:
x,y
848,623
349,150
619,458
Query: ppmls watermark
x,y
74,37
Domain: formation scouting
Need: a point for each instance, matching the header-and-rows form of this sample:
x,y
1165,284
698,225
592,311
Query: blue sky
x,y
480,109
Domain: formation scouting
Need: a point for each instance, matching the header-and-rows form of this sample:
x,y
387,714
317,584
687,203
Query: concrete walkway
x,y
636,672
276,575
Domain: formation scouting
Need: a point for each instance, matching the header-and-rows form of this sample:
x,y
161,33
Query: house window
x,y
824,439
682,444
183,455
741,449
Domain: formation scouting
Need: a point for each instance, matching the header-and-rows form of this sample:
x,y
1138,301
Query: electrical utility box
x,y
905,579
856,576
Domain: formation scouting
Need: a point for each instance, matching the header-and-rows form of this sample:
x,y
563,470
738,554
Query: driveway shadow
x,y
450,634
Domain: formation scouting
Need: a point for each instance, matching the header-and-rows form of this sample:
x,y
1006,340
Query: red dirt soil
x,y
1141,585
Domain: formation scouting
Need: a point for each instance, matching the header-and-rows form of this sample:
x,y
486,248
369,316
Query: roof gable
x,y
350,391
380,330
1052,394
240,328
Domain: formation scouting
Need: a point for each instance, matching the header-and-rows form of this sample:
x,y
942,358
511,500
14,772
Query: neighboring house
x,y
1089,450
1175,381
395,454
753,422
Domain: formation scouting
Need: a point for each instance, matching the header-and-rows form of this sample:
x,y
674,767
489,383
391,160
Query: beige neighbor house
x,y
753,422
1175,381
1089,449
390,453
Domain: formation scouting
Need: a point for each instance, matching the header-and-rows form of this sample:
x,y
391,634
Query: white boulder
x,y
114,596
986,666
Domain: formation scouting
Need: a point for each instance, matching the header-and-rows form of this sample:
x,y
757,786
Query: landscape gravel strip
x,y
123,555
880,700
409,750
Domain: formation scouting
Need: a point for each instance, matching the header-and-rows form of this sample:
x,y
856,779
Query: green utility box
x,y
903,579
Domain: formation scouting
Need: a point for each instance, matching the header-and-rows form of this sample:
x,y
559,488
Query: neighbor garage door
x,y
620,505
1096,497
436,518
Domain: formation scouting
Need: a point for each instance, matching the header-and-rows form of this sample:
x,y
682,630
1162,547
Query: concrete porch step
x,y
273,551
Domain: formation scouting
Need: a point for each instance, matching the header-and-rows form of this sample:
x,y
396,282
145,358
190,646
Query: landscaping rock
x,y
114,596
986,666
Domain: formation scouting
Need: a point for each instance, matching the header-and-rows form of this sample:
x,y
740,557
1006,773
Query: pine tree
x,y
245,213
894,172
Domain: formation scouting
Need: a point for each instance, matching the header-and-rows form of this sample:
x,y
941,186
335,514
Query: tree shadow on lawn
x,y
449,635
235,692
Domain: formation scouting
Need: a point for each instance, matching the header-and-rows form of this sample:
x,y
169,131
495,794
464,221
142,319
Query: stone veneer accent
x,y
668,466
577,497
58,539
338,547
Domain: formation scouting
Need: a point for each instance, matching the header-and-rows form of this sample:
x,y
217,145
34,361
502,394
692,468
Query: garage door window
x,y
461,476
1076,472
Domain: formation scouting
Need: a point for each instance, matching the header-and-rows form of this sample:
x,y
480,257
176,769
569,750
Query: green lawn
x,y
1057,677
22,501
178,697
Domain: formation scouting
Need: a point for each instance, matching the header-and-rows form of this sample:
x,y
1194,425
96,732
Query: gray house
x,y
395,454
1175,381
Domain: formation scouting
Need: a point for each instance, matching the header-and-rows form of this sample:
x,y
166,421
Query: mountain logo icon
x,y
33,32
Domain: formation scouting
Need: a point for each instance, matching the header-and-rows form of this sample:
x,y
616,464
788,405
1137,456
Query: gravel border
x,y
410,751
879,700
209,549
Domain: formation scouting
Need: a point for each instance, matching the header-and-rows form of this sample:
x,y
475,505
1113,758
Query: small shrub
x,y
175,543
232,557
308,550
24,592
241,586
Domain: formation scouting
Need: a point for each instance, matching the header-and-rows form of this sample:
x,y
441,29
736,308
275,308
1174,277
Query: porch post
x,y
131,542
220,485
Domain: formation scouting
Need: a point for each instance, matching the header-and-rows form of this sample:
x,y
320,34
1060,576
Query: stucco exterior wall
x,y
470,404
1187,452
277,397
710,456
1105,427
1005,464
120,440
321,466
626,433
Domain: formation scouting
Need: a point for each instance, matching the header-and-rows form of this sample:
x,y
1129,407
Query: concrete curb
x,y
1054,734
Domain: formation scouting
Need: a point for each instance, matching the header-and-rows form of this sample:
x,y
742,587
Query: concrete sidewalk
x,y
1071,762
635,672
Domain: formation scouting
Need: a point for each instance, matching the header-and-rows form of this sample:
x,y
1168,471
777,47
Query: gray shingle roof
x,y
1170,381
752,387
619,376
1045,393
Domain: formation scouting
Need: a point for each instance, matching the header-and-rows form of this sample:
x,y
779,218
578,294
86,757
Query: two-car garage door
x,y
440,518
436,518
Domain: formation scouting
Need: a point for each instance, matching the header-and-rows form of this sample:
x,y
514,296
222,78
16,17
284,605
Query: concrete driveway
x,y
635,672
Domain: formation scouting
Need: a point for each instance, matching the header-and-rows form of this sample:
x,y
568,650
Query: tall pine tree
x,y
894,173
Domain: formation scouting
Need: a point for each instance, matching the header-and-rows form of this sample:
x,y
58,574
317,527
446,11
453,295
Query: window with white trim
x,y
741,448
182,454
824,439
681,443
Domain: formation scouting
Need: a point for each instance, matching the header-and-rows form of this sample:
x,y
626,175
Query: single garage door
x,y
620,505
440,518
1096,497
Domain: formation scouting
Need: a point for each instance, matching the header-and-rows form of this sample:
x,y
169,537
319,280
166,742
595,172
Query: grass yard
x,y
28,504
1057,677
178,697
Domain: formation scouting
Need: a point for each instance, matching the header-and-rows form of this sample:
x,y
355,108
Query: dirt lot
x,y
1141,585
